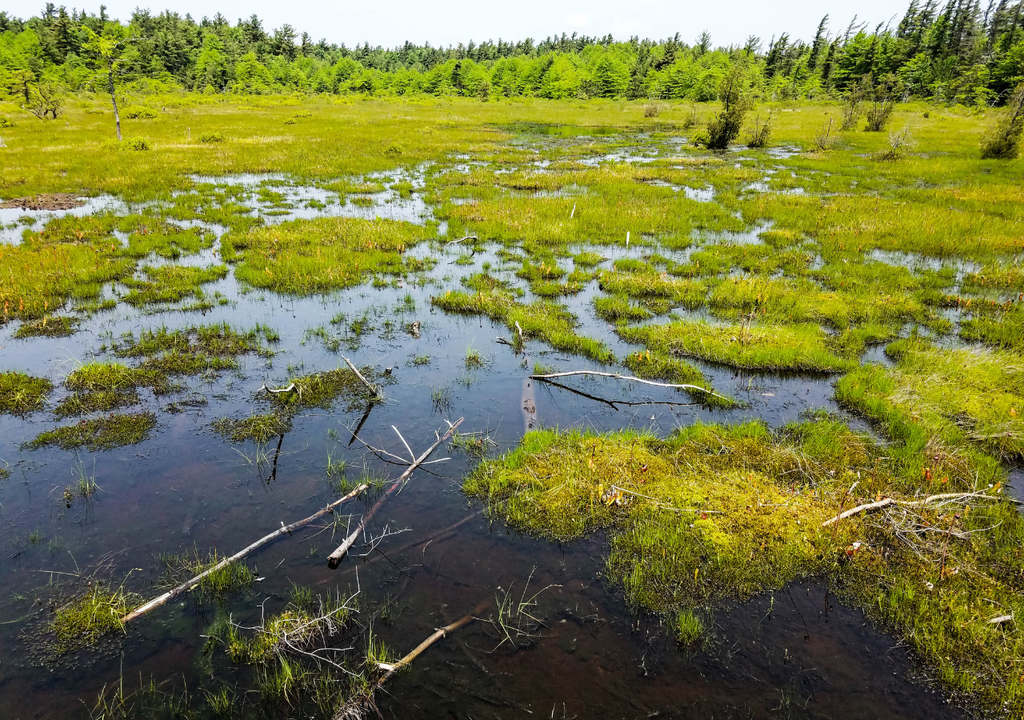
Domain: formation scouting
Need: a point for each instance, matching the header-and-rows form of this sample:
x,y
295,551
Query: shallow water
x,y
798,651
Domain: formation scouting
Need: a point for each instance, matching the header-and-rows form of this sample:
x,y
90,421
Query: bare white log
x,y
620,376
275,391
189,584
1000,620
335,557
461,239
879,504
374,390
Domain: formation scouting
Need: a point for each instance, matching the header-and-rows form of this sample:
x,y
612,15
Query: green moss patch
x,y
716,513
21,393
104,433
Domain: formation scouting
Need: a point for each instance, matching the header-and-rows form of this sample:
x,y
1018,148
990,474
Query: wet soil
x,y
46,201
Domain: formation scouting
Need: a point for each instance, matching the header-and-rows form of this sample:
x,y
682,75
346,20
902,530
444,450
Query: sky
x,y
449,22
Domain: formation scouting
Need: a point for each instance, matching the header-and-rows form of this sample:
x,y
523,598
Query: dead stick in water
x,y
867,507
335,557
437,635
620,376
189,584
439,536
374,390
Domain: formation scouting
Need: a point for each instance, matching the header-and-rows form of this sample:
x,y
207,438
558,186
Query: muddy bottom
x,y
46,201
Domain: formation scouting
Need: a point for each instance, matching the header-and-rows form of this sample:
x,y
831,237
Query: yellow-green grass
x,y
171,283
48,326
797,347
21,393
104,387
655,291
220,340
544,320
327,389
86,619
715,513
317,256
257,428
953,402
229,580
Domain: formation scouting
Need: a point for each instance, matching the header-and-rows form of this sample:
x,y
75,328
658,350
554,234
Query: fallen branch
x,y
437,635
361,705
1001,619
291,388
467,237
663,506
614,404
375,391
189,584
335,557
885,502
620,376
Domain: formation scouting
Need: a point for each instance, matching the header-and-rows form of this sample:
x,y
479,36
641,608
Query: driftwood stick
x,y
885,502
665,506
1001,619
335,557
620,376
189,584
412,455
437,635
467,237
374,390
614,404
275,391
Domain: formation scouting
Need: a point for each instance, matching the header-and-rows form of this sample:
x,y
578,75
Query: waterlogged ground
x,y
788,285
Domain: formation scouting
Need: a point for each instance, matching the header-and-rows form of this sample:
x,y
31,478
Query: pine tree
x,y
820,40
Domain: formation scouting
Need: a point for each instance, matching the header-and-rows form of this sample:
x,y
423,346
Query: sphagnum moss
x,y
726,512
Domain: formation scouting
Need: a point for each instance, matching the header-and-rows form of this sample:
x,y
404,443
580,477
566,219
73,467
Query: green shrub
x,y
725,126
137,112
211,137
1003,141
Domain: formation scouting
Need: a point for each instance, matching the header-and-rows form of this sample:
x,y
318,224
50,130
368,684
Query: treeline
x,y
958,52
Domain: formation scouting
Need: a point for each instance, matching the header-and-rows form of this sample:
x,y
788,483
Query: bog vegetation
x,y
848,208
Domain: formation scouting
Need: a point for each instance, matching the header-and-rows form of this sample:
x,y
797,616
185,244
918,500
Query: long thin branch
x,y
620,376
375,391
335,557
189,584
868,507
437,635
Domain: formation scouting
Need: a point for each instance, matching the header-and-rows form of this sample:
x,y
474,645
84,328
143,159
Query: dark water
x,y
794,653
